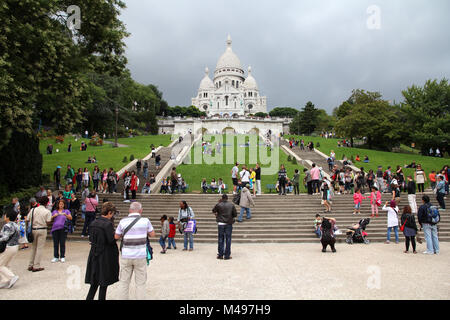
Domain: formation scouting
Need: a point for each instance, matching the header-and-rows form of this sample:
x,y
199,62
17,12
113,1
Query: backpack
x,y
433,215
237,198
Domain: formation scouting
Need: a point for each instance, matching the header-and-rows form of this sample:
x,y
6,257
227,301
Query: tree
x,y
283,112
43,68
365,114
261,115
306,121
427,113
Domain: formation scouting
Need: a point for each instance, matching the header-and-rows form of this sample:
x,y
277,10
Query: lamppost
x,y
117,118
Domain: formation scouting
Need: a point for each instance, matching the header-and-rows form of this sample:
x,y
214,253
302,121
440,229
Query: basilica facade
x,y
230,93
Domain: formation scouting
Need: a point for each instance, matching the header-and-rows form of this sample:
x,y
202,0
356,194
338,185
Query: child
x,y
375,200
221,185
23,230
317,224
357,199
172,232
165,230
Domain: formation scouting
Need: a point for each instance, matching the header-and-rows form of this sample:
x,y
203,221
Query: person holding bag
x,y
9,246
185,213
39,218
91,207
409,228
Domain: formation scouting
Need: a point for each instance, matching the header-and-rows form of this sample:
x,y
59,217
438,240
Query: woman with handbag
x,y
91,207
409,228
103,262
9,246
185,213
61,218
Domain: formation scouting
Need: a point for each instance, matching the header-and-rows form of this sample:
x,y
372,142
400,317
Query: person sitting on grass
x,y
357,158
221,185
366,159
204,185
213,186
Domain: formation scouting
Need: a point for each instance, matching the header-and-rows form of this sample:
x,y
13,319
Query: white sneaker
x,y
426,252
63,260
12,282
55,260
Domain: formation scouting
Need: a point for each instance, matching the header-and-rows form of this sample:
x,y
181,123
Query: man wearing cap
x,y
245,203
57,177
225,213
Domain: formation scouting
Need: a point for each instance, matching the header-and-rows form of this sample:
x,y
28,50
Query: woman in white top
x,y
392,221
86,177
420,178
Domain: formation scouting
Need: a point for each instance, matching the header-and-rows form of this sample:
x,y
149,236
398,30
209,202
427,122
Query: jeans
x,y
225,238
89,217
171,242
318,232
249,213
296,188
440,199
389,233
162,242
188,236
431,237
59,243
95,184
145,173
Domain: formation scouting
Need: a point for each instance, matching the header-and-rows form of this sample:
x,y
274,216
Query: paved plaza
x,y
257,271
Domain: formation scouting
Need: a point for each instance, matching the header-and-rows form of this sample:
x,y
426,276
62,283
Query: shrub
x,y
46,178
289,158
131,157
294,160
318,144
125,160
352,159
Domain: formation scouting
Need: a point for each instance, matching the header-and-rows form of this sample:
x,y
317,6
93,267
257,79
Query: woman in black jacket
x,y
408,222
103,261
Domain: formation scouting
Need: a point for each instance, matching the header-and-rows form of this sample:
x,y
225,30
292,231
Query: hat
x,y
179,175
247,185
58,167
33,200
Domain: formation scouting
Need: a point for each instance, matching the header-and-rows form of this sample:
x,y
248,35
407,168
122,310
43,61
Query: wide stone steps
x,y
275,218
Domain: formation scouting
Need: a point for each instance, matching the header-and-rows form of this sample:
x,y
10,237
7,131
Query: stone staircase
x,y
308,155
165,154
277,219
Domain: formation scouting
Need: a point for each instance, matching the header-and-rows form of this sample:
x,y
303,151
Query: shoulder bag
x,y
29,235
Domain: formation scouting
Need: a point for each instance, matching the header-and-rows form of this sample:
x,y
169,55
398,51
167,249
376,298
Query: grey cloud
x,y
299,50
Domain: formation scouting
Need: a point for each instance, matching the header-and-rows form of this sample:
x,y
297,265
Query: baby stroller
x,y
357,232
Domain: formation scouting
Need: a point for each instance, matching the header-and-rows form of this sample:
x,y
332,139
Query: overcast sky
x,y
299,51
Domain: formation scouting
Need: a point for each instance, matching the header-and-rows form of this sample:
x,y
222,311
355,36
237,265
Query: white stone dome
x,y
229,59
206,83
250,82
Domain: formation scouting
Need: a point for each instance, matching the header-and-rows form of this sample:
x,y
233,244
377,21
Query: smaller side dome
x,y
250,82
206,83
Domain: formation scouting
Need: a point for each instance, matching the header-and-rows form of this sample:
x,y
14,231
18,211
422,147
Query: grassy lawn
x,y
377,158
202,166
106,155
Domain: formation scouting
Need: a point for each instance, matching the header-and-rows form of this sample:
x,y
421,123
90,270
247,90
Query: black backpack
x,y
326,230
237,198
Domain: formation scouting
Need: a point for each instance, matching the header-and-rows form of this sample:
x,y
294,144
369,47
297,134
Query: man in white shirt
x,y
134,250
245,176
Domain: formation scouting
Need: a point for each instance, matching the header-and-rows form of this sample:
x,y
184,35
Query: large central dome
x,y
229,59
